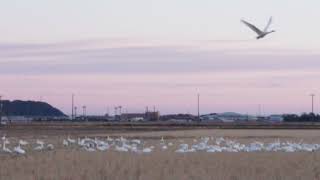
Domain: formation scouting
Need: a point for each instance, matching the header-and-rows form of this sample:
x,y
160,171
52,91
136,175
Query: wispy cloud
x,y
123,56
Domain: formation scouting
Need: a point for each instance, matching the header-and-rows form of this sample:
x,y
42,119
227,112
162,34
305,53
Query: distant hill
x,y
29,108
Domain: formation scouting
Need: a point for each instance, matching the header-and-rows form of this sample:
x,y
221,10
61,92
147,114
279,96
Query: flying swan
x,y
261,34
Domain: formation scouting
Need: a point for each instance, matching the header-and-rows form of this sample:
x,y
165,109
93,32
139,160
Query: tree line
x,y
305,117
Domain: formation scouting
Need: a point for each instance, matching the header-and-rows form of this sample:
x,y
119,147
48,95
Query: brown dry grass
x,y
79,165
75,164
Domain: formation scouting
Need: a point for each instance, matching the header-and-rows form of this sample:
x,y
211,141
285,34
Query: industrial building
x,y
147,116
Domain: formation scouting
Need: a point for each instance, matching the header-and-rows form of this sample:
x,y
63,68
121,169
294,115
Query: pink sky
x,y
230,76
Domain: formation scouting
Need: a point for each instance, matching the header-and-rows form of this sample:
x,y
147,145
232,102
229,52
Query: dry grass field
x,y
75,164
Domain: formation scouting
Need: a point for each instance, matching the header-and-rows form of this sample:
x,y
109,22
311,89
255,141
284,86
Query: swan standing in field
x,y
80,142
72,141
162,140
261,34
3,137
4,148
109,139
65,142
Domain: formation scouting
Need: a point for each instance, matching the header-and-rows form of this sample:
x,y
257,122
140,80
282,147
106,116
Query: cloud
x,y
116,57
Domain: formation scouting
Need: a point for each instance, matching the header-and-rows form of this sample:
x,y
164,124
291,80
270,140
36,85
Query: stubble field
x,y
74,163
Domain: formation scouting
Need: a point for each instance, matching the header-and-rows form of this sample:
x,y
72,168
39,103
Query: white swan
x,y
147,150
164,147
109,139
4,148
261,34
41,145
22,142
39,148
50,147
121,149
19,150
90,147
136,141
40,142
3,137
102,147
72,141
65,142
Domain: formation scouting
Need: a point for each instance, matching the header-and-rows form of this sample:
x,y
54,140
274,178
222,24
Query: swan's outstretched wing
x,y
269,23
252,27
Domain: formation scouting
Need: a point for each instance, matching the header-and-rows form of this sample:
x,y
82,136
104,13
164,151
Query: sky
x,y
161,53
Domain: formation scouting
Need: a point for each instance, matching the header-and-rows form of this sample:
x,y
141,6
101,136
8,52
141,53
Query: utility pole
x,y
259,110
312,96
84,109
75,112
115,110
0,110
198,107
72,107
120,112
